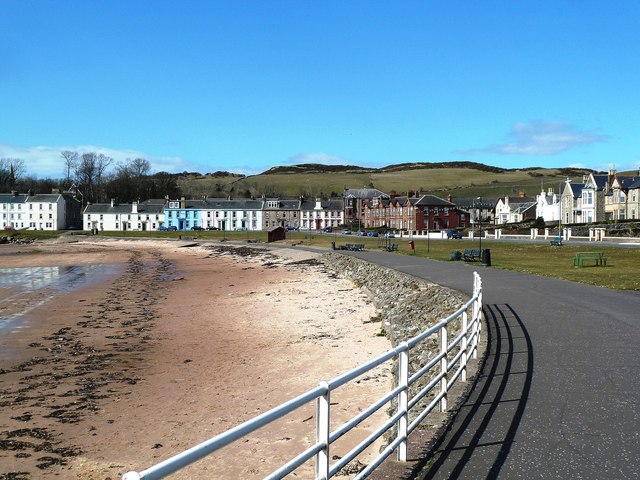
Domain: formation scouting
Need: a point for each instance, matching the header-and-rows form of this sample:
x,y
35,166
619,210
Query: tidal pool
x,y
23,289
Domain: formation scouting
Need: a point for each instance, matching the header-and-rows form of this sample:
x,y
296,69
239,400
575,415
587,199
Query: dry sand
x,y
184,343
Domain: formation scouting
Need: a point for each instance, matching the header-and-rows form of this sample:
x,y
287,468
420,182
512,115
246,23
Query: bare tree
x,y
139,167
70,162
11,171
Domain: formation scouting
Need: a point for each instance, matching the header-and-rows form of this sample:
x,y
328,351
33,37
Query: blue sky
x,y
247,85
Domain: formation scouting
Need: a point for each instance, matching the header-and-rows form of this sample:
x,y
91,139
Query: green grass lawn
x,y
621,273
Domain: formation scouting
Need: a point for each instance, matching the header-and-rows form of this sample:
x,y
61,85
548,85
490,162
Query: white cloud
x,y
541,138
44,161
317,157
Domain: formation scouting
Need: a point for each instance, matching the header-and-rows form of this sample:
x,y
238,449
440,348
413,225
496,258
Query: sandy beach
x,y
177,344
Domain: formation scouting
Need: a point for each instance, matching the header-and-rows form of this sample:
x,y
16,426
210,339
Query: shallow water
x,y
23,289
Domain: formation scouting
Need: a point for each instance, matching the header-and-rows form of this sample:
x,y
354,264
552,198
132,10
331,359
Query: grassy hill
x,y
460,179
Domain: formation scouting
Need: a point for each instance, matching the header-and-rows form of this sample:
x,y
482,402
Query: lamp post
x,y
478,217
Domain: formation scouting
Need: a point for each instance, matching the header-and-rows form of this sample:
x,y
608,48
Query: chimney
x,y
134,207
550,190
522,194
183,202
449,198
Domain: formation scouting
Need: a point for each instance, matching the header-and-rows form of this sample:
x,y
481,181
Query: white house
x,y
13,210
321,214
548,206
514,209
56,211
227,214
147,215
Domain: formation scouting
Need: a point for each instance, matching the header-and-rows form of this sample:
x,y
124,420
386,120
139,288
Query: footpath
x,y
558,396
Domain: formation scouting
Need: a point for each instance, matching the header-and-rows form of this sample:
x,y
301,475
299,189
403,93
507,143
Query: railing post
x,y
403,400
443,368
322,432
463,358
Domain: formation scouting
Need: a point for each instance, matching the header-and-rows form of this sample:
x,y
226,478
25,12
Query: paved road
x,y
559,394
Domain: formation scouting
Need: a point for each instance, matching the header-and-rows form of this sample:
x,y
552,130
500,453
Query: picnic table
x,y
597,257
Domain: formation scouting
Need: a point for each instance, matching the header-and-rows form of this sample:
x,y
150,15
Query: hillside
x,y
460,179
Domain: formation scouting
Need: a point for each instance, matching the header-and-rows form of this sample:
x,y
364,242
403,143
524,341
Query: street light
x,y
479,218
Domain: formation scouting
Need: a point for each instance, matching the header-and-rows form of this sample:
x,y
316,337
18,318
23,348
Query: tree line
x,y
93,177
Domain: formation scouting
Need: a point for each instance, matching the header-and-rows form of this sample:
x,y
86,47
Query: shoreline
x,y
264,322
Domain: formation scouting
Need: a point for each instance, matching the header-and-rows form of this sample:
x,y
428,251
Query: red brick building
x,y
416,214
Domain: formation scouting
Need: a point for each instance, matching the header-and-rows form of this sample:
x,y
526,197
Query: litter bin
x,y
486,257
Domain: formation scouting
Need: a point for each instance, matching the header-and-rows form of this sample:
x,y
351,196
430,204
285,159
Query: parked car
x,y
389,235
362,233
162,228
346,232
213,228
197,227
372,234
328,230
173,228
8,227
455,234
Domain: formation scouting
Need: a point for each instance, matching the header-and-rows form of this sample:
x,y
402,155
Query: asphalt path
x,y
559,393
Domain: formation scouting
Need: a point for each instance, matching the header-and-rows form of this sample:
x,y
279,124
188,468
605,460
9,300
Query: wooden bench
x,y
392,248
557,241
597,257
471,255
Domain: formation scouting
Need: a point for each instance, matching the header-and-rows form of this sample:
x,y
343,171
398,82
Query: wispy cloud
x,y
317,157
540,138
45,161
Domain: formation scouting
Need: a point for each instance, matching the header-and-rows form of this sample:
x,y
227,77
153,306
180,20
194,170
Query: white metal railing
x,y
453,353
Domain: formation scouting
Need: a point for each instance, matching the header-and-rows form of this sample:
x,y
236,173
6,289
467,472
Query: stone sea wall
x,y
407,305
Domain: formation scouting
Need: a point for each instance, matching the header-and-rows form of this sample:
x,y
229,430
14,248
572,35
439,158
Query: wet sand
x,y
184,344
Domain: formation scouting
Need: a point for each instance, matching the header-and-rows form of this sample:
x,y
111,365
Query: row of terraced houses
x,y
597,198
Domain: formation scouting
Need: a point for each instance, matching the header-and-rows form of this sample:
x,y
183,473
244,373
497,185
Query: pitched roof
x,y
576,189
432,200
123,208
601,180
330,204
626,182
363,193
522,207
283,204
13,198
44,198
233,204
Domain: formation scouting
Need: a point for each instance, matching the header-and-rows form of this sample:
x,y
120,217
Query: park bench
x,y
557,241
471,255
358,247
597,258
392,248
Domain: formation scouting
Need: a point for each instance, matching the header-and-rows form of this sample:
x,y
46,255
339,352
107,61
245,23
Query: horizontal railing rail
x,y
453,356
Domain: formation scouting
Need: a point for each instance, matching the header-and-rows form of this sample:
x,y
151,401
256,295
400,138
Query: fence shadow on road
x,y
482,431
